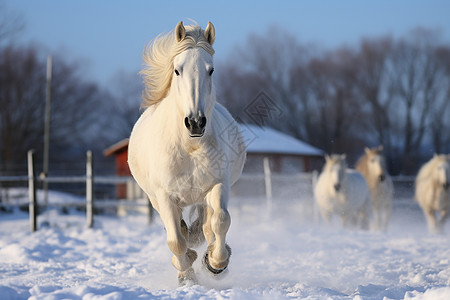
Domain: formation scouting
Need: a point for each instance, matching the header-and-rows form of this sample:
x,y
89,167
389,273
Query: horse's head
x,y
375,163
192,77
443,170
336,166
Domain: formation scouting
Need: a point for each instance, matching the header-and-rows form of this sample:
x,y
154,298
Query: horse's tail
x,y
195,235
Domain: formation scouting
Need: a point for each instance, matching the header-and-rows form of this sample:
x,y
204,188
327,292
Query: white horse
x,y
186,149
343,192
433,191
373,167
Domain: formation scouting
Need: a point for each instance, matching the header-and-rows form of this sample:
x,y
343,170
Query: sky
x,y
108,36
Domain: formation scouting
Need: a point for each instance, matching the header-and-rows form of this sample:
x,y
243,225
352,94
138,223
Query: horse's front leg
x,y
431,220
216,227
183,257
444,216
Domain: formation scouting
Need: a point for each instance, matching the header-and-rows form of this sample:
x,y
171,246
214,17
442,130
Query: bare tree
x,y
374,87
440,122
21,121
334,112
11,23
76,106
262,64
123,104
417,78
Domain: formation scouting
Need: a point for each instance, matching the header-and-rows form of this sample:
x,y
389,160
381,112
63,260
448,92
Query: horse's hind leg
x,y
387,215
444,216
195,236
176,229
216,227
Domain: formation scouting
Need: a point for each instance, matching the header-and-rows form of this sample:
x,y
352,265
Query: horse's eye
x,y
177,72
211,71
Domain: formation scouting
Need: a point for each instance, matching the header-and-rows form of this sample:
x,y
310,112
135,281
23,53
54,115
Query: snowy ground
x,y
281,255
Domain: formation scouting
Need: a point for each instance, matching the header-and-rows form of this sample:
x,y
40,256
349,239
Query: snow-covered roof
x,y
267,140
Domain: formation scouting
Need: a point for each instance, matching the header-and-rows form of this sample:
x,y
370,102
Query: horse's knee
x,y
220,221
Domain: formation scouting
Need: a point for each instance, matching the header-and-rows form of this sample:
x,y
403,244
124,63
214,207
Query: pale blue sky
x,y
109,35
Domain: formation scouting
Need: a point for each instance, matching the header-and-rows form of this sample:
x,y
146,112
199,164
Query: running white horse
x,y
433,191
343,192
186,149
373,167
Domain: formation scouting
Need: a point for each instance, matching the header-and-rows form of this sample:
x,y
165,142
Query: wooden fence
x,y
89,178
262,185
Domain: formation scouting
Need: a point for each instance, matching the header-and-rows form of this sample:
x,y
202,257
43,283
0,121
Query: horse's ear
x,y
210,33
380,148
327,157
343,156
367,150
180,32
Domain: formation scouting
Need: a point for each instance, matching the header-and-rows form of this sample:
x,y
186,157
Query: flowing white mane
x,y
158,57
427,170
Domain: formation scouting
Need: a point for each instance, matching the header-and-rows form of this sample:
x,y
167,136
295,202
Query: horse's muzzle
x,y
337,187
196,126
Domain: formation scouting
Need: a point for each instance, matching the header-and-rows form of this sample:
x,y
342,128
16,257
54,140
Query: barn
x,y
286,154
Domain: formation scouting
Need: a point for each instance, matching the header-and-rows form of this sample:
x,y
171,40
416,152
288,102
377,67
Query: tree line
x,y
389,91
385,91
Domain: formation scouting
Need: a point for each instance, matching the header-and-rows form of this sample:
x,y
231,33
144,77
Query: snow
x,y
281,254
260,139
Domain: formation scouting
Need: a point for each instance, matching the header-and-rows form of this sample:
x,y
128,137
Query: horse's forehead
x,y
336,162
195,55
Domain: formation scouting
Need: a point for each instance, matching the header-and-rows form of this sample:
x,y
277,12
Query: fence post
x,y
32,191
268,183
89,190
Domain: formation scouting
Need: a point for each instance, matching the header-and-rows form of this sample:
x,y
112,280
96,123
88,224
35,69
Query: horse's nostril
x,y
187,123
382,177
337,187
202,122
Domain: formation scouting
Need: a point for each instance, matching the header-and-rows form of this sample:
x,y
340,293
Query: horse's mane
x,y
158,57
428,168
361,165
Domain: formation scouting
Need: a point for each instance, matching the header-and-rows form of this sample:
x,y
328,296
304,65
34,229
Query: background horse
x,y
373,167
433,191
186,149
344,192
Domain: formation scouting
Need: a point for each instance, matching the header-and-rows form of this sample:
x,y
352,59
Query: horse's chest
x,y
190,177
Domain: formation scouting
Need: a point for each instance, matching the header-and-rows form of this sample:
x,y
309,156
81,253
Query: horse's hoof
x,y
187,278
213,271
